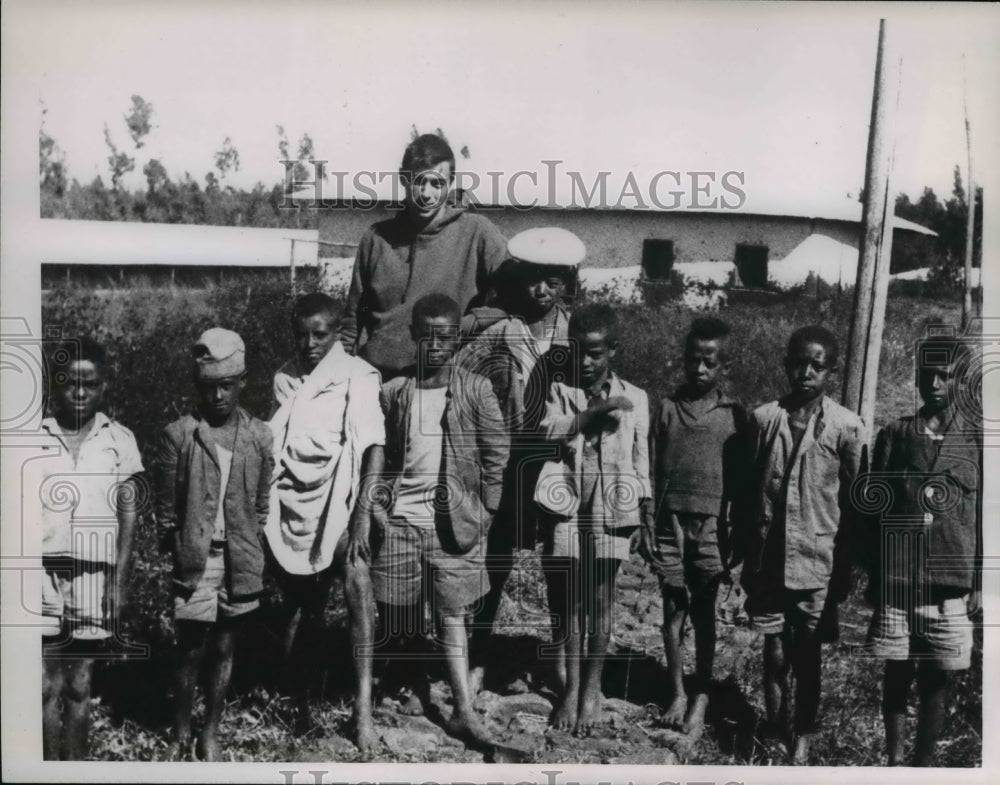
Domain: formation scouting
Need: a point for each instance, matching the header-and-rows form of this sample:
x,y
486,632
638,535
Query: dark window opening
x,y
751,264
657,259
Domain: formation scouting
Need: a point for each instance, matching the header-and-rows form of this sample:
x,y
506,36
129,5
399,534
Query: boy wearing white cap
x,y
519,343
212,485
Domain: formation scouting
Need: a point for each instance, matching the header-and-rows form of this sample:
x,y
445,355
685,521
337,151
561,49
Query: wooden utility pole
x,y
872,282
970,221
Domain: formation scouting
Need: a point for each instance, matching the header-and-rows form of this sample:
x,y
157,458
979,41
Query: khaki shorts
x,y
694,563
411,566
72,594
940,633
210,600
571,540
786,610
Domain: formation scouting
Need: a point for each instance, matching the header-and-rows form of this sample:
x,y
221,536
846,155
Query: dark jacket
x,y
395,266
914,538
187,498
474,454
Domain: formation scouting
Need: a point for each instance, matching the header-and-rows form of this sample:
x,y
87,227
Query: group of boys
x,y
500,428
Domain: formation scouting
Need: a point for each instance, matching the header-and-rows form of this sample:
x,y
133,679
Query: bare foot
x,y
207,748
800,756
469,729
694,722
673,715
362,731
563,716
590,714
411,705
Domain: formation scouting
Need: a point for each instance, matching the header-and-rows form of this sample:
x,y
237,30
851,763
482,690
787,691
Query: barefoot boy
x,y
85,575
930,463
592,500
214,473
446,450
696,440
511,346
328,439
806,452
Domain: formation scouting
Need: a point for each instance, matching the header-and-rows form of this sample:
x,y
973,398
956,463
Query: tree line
x,y
214,201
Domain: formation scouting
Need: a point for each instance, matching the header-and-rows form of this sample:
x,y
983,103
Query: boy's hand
x,y
616,402
359,535
974,602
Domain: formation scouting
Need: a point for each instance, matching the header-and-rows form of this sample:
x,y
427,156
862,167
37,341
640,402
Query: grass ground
x,y
148,333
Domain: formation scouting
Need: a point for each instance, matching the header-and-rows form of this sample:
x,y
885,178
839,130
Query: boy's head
x,y
810,362
593,329
541,267
314,327
219,370
427,171
939,363
706,354
78,381
434,326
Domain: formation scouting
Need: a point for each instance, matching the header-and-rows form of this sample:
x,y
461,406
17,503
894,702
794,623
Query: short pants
x,y
696,563
411,566
566,540
72,594
939,632
210,600
786,610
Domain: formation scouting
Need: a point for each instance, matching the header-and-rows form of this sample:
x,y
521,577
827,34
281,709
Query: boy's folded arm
x,y
494,447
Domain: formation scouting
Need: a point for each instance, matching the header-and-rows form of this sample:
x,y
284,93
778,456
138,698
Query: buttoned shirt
x,y
813,508
77,500
623,463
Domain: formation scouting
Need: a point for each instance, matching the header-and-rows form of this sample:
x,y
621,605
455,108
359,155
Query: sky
x,y
781,93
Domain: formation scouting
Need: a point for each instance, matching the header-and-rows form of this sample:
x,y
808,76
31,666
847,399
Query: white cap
x,y
547,245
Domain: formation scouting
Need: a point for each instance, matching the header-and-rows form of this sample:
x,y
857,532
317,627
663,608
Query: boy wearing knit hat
x,y
212,486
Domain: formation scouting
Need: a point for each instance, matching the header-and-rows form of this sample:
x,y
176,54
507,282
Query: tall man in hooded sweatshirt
x,y
431,246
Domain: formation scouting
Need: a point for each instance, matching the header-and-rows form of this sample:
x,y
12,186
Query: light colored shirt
x,y
422,463
76,501
225,466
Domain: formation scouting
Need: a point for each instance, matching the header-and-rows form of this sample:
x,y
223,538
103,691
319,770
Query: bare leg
x,y
776,681
932,686
562,581
52,690
76,709
190,650
402,626
499,564
463,723
675,607
895,691
305,600
703,622
221,644
599,623
361,611
806,662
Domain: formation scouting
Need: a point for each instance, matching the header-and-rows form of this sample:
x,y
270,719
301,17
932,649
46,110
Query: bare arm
x,y
372,500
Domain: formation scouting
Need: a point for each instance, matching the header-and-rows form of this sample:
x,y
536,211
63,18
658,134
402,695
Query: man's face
x,y
936,384
218,397
427,192
79,392
314,336
808,369
704,365
595,357
541,289
437,340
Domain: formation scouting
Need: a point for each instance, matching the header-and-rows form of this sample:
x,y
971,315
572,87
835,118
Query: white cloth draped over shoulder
x,y
324,423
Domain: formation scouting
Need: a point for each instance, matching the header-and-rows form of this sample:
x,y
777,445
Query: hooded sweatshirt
x,y
455,254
